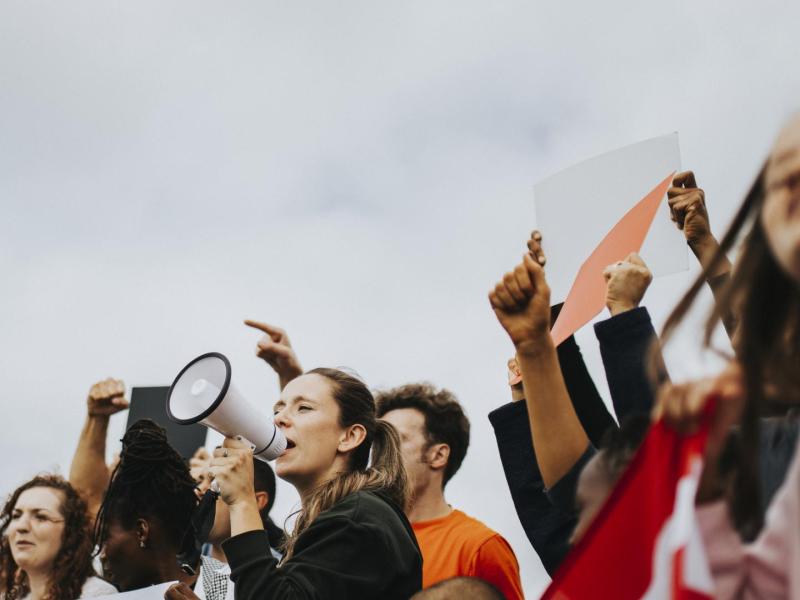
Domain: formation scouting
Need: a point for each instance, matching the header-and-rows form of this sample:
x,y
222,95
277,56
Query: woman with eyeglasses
x,y
46,544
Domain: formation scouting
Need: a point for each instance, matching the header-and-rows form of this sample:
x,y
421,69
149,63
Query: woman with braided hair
x,y
145,514
46,544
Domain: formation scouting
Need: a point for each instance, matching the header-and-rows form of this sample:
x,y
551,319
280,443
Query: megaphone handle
x,y
246,441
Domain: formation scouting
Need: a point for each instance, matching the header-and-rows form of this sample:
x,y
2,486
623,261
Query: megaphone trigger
x,y
248,443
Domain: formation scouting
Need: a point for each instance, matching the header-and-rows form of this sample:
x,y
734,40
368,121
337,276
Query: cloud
x,y
360,173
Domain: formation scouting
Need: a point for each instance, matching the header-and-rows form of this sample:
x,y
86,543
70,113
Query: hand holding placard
x,y
577,207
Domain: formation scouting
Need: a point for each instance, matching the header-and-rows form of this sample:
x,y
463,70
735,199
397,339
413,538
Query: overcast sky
x,y
359,173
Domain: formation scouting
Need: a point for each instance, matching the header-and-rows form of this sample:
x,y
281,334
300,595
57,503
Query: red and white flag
x,y
645,542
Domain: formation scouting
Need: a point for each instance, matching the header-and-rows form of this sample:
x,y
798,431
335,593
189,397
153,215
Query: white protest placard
x,y
152,592
577,207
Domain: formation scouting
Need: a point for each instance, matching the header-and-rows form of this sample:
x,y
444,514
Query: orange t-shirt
x,y
458,545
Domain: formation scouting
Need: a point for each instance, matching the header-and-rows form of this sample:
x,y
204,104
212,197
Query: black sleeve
x,y
334,558
626,341
547,528
562,493
589,406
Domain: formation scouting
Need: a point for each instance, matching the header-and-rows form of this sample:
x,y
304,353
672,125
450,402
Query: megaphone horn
x,y
203,393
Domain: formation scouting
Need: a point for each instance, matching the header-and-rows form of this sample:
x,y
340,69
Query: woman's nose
x,y
22,524
281,419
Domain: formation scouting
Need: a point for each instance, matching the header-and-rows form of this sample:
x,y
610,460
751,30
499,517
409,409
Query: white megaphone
x,y
203,393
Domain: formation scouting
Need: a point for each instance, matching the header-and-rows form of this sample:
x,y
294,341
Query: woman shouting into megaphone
x,y
351,538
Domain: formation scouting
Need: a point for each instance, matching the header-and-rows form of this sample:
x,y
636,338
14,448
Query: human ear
x,y
438,455
352,437
142,532
262,499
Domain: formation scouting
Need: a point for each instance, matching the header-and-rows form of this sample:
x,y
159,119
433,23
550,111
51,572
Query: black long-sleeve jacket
x,y
548,516
363,547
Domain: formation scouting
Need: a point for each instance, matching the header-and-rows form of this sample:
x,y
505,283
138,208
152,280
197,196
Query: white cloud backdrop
x,y
358,172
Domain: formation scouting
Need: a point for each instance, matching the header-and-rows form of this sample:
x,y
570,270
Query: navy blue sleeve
x,y
589,406
547,528
586,400
626,341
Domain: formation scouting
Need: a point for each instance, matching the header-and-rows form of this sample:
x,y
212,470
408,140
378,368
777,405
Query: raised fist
x,y
626,283
106,398
521,302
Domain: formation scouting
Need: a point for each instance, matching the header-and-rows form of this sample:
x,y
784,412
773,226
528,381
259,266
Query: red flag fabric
x,y
644,542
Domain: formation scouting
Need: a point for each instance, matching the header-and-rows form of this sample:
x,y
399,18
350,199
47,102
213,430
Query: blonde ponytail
x,y
381,449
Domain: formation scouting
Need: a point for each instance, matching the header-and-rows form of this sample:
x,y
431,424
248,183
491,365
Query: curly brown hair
x,y
73,563
445,421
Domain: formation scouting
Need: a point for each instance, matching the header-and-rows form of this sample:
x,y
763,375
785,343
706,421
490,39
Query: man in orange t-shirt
x,y
434,436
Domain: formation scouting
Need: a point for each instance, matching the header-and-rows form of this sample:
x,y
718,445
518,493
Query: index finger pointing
x,y
274,332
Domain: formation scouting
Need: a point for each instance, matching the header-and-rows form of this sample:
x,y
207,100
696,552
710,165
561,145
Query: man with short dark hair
x,y
434,436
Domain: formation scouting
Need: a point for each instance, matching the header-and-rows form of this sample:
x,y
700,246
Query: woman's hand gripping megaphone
x,y
232,470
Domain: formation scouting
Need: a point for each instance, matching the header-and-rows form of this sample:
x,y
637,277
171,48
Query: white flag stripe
x,y
681,531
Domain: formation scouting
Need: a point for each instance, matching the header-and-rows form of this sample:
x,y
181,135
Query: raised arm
x,y
276,350
521,303
586,400
687,204
88,473
628,338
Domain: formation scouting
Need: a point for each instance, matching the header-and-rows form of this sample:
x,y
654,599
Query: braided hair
x,y
150,481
